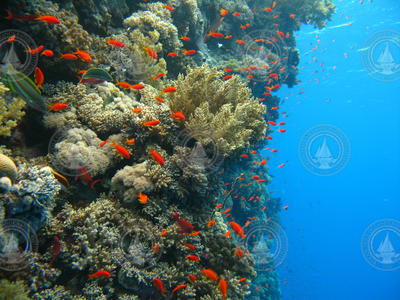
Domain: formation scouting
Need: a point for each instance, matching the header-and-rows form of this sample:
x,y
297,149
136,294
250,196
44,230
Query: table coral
x,y
223,110
11,111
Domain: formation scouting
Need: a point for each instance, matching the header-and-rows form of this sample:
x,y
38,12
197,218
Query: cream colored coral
x,y
8,167
131,180
217,111
10,112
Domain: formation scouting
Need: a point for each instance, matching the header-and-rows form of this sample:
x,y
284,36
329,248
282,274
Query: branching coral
x,y
224,110
11,111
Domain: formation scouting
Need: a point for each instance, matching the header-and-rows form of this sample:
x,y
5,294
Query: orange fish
x,y
240,42
211,223
83,55
36,50
170,8
158,76
11,39
159,285
69,56
185,38
286,207
229,36
151,123
39,77
216,34
151,53
237,14
242,279
48,19
228,70
189,52
142,198
179,116
281,165
268,9
292,16
137,86
223,287
159,99
58,106
223,12
193,258
122,151
47,53
273,4
282,130
103,143
178,287
115,43
210,274
238,229
172,54
169,89
137,110
195,233
227,77
157,157
123,84
101,273
130,141
238,253
192,277
190,246
164,233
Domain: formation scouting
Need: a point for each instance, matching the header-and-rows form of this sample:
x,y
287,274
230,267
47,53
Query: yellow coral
x,y
217,111
10,112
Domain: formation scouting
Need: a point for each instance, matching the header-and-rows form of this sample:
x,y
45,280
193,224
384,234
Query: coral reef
x,y
11,111
224,109
13,290
173,140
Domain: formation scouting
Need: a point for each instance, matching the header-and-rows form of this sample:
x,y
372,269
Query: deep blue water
x,y
328,214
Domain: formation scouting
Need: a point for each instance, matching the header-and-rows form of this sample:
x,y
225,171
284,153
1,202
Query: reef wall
x,y
146,184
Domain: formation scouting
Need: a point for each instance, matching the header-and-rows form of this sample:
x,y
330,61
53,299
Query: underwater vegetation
x,y
132,149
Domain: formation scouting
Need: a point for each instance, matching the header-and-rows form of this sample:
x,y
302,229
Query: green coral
x,y
10,112
224,110
13,290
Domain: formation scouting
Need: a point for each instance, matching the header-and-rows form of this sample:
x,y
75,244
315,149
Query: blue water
x,y
328,214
